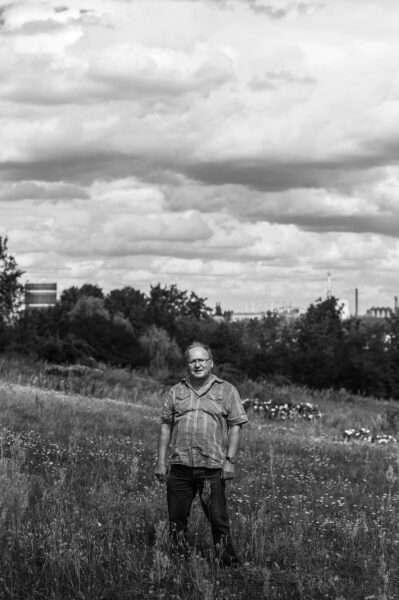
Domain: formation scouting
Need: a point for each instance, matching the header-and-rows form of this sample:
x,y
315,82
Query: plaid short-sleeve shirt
x,y
201,420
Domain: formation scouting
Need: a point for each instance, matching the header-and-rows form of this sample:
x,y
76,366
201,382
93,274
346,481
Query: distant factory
x,y
287,311
44,295
291,313
383,312
40,295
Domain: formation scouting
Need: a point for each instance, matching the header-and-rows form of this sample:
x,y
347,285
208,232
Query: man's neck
x,y
199,384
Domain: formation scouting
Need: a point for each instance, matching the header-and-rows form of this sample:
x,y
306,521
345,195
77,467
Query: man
x,y
201,420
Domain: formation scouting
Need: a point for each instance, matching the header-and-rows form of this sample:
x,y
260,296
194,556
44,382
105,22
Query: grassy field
x,y
81,516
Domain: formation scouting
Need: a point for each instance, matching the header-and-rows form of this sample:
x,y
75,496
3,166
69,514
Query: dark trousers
x,y
183,483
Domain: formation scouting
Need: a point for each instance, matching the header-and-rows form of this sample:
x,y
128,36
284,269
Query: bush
x,y
69,350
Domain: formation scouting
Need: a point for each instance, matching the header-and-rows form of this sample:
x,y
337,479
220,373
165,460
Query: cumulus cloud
x,y
276,10
238,148
275,79
40,191
119,72
372,208
157,69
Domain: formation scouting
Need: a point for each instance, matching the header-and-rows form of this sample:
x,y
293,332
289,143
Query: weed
x,y
81,516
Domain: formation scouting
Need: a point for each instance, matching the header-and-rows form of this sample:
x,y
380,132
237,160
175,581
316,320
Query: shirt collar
x,y
205,388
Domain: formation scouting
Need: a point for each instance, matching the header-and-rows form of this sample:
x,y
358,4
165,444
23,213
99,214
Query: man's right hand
x,y
160,472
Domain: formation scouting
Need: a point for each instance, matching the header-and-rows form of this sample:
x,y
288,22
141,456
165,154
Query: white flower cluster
x,y
273,409
365,435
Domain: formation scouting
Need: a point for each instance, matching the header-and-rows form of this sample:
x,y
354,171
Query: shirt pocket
x,y
183,402
214,404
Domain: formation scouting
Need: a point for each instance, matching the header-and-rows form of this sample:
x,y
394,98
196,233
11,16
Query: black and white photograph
x,y
199,315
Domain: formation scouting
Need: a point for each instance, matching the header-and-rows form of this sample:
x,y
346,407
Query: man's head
x,y
199,362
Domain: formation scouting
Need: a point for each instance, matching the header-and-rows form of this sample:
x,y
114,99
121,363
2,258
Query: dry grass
x,y
82,518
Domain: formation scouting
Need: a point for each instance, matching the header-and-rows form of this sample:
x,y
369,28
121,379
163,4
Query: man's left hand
x,y
228,470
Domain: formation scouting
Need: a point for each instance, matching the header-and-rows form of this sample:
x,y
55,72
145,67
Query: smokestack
x,y
396,305
356,302
329,293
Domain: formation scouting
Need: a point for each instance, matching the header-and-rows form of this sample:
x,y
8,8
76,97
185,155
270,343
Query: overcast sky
x,y
238,148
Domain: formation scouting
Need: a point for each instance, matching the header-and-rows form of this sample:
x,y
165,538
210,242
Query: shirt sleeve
x,y
237,414
168,408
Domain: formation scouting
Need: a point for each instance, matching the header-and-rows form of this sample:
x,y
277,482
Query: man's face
x,y
199,364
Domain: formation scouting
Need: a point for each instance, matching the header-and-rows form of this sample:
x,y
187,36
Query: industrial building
x,y
40,295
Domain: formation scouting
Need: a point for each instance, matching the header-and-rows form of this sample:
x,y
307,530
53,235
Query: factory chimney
x,y
329,292
356,302
396,305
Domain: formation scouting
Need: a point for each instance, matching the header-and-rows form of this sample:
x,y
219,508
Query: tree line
x,y
129,328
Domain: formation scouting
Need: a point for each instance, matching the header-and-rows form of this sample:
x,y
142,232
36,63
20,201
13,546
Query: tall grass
x,y
102,382
82,518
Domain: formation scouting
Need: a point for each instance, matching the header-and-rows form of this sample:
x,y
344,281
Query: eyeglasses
x,y
200,361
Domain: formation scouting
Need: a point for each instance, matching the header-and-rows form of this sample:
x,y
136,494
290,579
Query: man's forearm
x,y
234,440
163,442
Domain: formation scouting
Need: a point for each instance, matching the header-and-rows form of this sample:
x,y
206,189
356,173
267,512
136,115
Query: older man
x,y
201,420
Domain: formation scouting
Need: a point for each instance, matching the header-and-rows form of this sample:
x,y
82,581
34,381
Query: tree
x,y
319,335
92,290
163,352
11,290
68,298
110,341
166,304
267,346
89,306
71,295
70,349
129,303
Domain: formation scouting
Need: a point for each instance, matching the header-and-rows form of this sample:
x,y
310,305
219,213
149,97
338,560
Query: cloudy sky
x,y
238,148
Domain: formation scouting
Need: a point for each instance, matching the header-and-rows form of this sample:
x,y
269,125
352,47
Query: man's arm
x,y
163,444
234,440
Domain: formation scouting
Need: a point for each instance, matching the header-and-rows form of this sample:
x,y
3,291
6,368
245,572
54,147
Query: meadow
x,y
81,517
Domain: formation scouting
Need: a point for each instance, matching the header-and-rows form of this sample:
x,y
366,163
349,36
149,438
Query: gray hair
x,y
198,345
